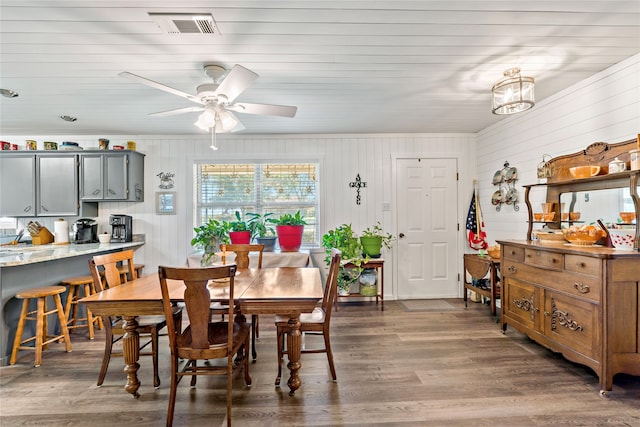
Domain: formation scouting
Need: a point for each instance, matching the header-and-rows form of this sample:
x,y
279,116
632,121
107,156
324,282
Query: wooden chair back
x,y
109,264
331,285
242,254
195,342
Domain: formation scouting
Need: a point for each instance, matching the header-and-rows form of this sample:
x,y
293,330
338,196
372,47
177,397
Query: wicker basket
x,y
550,236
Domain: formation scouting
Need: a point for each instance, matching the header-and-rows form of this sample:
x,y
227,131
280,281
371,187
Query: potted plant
x,y
345,239
261,229
289,229
239,234
373,239
209,237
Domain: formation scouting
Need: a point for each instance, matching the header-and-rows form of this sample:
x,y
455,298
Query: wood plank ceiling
x,y
349,66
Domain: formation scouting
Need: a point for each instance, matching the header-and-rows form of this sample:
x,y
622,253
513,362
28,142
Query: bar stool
x,y
78,285
42,337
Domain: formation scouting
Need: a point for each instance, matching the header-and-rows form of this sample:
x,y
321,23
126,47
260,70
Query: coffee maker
x,y
85,230
121,228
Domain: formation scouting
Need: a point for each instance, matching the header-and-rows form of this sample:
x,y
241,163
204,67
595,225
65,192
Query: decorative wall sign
x,y
166,180
165,203
358,184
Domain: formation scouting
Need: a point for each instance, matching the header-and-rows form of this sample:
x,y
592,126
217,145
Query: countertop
x,y
22,254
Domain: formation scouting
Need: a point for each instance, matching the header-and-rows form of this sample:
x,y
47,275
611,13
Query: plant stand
x,y
373,263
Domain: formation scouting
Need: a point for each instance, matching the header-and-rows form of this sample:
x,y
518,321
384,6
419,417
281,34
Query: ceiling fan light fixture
x,y
8,93
227,120
206,120
513,94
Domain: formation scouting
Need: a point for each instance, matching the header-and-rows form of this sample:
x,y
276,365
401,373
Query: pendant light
x,y
513,94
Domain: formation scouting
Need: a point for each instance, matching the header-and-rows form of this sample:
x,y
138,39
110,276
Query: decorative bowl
x,y
584,236
537,216
627,217
494,251
549,236
104,238
622,238
574,216
579,172
548,216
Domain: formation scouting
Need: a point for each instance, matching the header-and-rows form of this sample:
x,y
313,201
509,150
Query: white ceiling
x,y
350,66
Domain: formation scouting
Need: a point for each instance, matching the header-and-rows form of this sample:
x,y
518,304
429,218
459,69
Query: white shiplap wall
x,y
341,157
604,107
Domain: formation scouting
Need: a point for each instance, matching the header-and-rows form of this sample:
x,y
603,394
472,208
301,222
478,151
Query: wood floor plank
x,y
395,368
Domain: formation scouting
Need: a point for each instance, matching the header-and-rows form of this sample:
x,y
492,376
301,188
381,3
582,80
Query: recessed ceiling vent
x,y
185,23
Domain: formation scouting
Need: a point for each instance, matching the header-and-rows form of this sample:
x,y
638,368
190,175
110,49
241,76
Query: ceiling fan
x,y
216,99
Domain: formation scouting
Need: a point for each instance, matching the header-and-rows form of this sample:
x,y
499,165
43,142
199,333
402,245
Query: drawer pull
x,y
582,288
581,264
512,269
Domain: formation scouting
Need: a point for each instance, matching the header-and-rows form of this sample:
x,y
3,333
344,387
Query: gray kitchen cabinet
x,y
18,185
57,185
113,176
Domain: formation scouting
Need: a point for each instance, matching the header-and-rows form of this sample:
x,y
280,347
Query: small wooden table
x,y
286,291
373,263
479,267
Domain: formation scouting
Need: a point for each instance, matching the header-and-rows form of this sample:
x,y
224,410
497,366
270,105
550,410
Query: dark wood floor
x,y
445,367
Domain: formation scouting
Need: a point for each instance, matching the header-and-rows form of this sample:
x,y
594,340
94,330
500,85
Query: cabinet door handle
x,y
96,192
111,191
546,313
44,209
27,209
582,288
512,269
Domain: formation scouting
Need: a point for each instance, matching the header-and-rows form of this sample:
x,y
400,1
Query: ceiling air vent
x,y
185,23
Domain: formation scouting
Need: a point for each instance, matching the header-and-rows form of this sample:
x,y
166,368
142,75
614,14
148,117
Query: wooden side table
x,y
479,267
373,263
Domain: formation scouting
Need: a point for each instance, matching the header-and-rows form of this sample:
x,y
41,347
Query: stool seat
x,y
78,285
44,291
41,337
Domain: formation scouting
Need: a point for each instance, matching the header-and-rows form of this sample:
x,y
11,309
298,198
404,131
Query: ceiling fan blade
x,y
177,111
264,109
156,85
238,79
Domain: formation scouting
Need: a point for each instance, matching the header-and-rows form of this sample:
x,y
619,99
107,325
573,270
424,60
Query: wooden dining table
x,y
287,291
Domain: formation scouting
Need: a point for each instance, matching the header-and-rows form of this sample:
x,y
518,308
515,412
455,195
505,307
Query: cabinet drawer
x,y
544,259
582,285
582,264
513,253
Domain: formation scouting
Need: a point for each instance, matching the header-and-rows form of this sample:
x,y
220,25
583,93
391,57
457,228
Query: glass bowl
x,y
584,236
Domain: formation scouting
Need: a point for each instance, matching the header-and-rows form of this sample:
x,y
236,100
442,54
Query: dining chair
x,y
204,339
316,323
106,267
242,252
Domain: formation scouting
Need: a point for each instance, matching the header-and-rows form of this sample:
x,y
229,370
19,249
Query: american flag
x,y
475,226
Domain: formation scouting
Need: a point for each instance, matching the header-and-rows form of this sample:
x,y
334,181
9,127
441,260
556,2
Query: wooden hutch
x,y
581,301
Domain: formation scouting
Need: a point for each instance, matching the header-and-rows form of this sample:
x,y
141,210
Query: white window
x,y
224,188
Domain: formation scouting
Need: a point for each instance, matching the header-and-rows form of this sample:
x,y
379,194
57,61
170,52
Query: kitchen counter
x,y
29,266
22,254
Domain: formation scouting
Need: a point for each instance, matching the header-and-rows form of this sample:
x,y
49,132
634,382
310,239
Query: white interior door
x,y
427,215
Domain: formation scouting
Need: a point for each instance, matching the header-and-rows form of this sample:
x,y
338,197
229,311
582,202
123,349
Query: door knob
x,y
401,235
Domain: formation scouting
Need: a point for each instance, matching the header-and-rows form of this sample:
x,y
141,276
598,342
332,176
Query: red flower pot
x,y
240,237
290,237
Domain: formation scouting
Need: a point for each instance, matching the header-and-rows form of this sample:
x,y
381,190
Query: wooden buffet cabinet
x,y
583,302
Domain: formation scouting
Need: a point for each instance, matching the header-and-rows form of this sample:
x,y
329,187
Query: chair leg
x,y
280,344
154,356
194,377
172,391
108,346
40,330
90,319
327,346
254,333
247,376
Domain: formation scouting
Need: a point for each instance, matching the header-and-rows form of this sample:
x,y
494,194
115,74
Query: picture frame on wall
x,y
165,203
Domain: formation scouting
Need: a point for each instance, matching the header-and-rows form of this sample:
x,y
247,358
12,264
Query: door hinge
x,y
458,226
457,176
458,277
